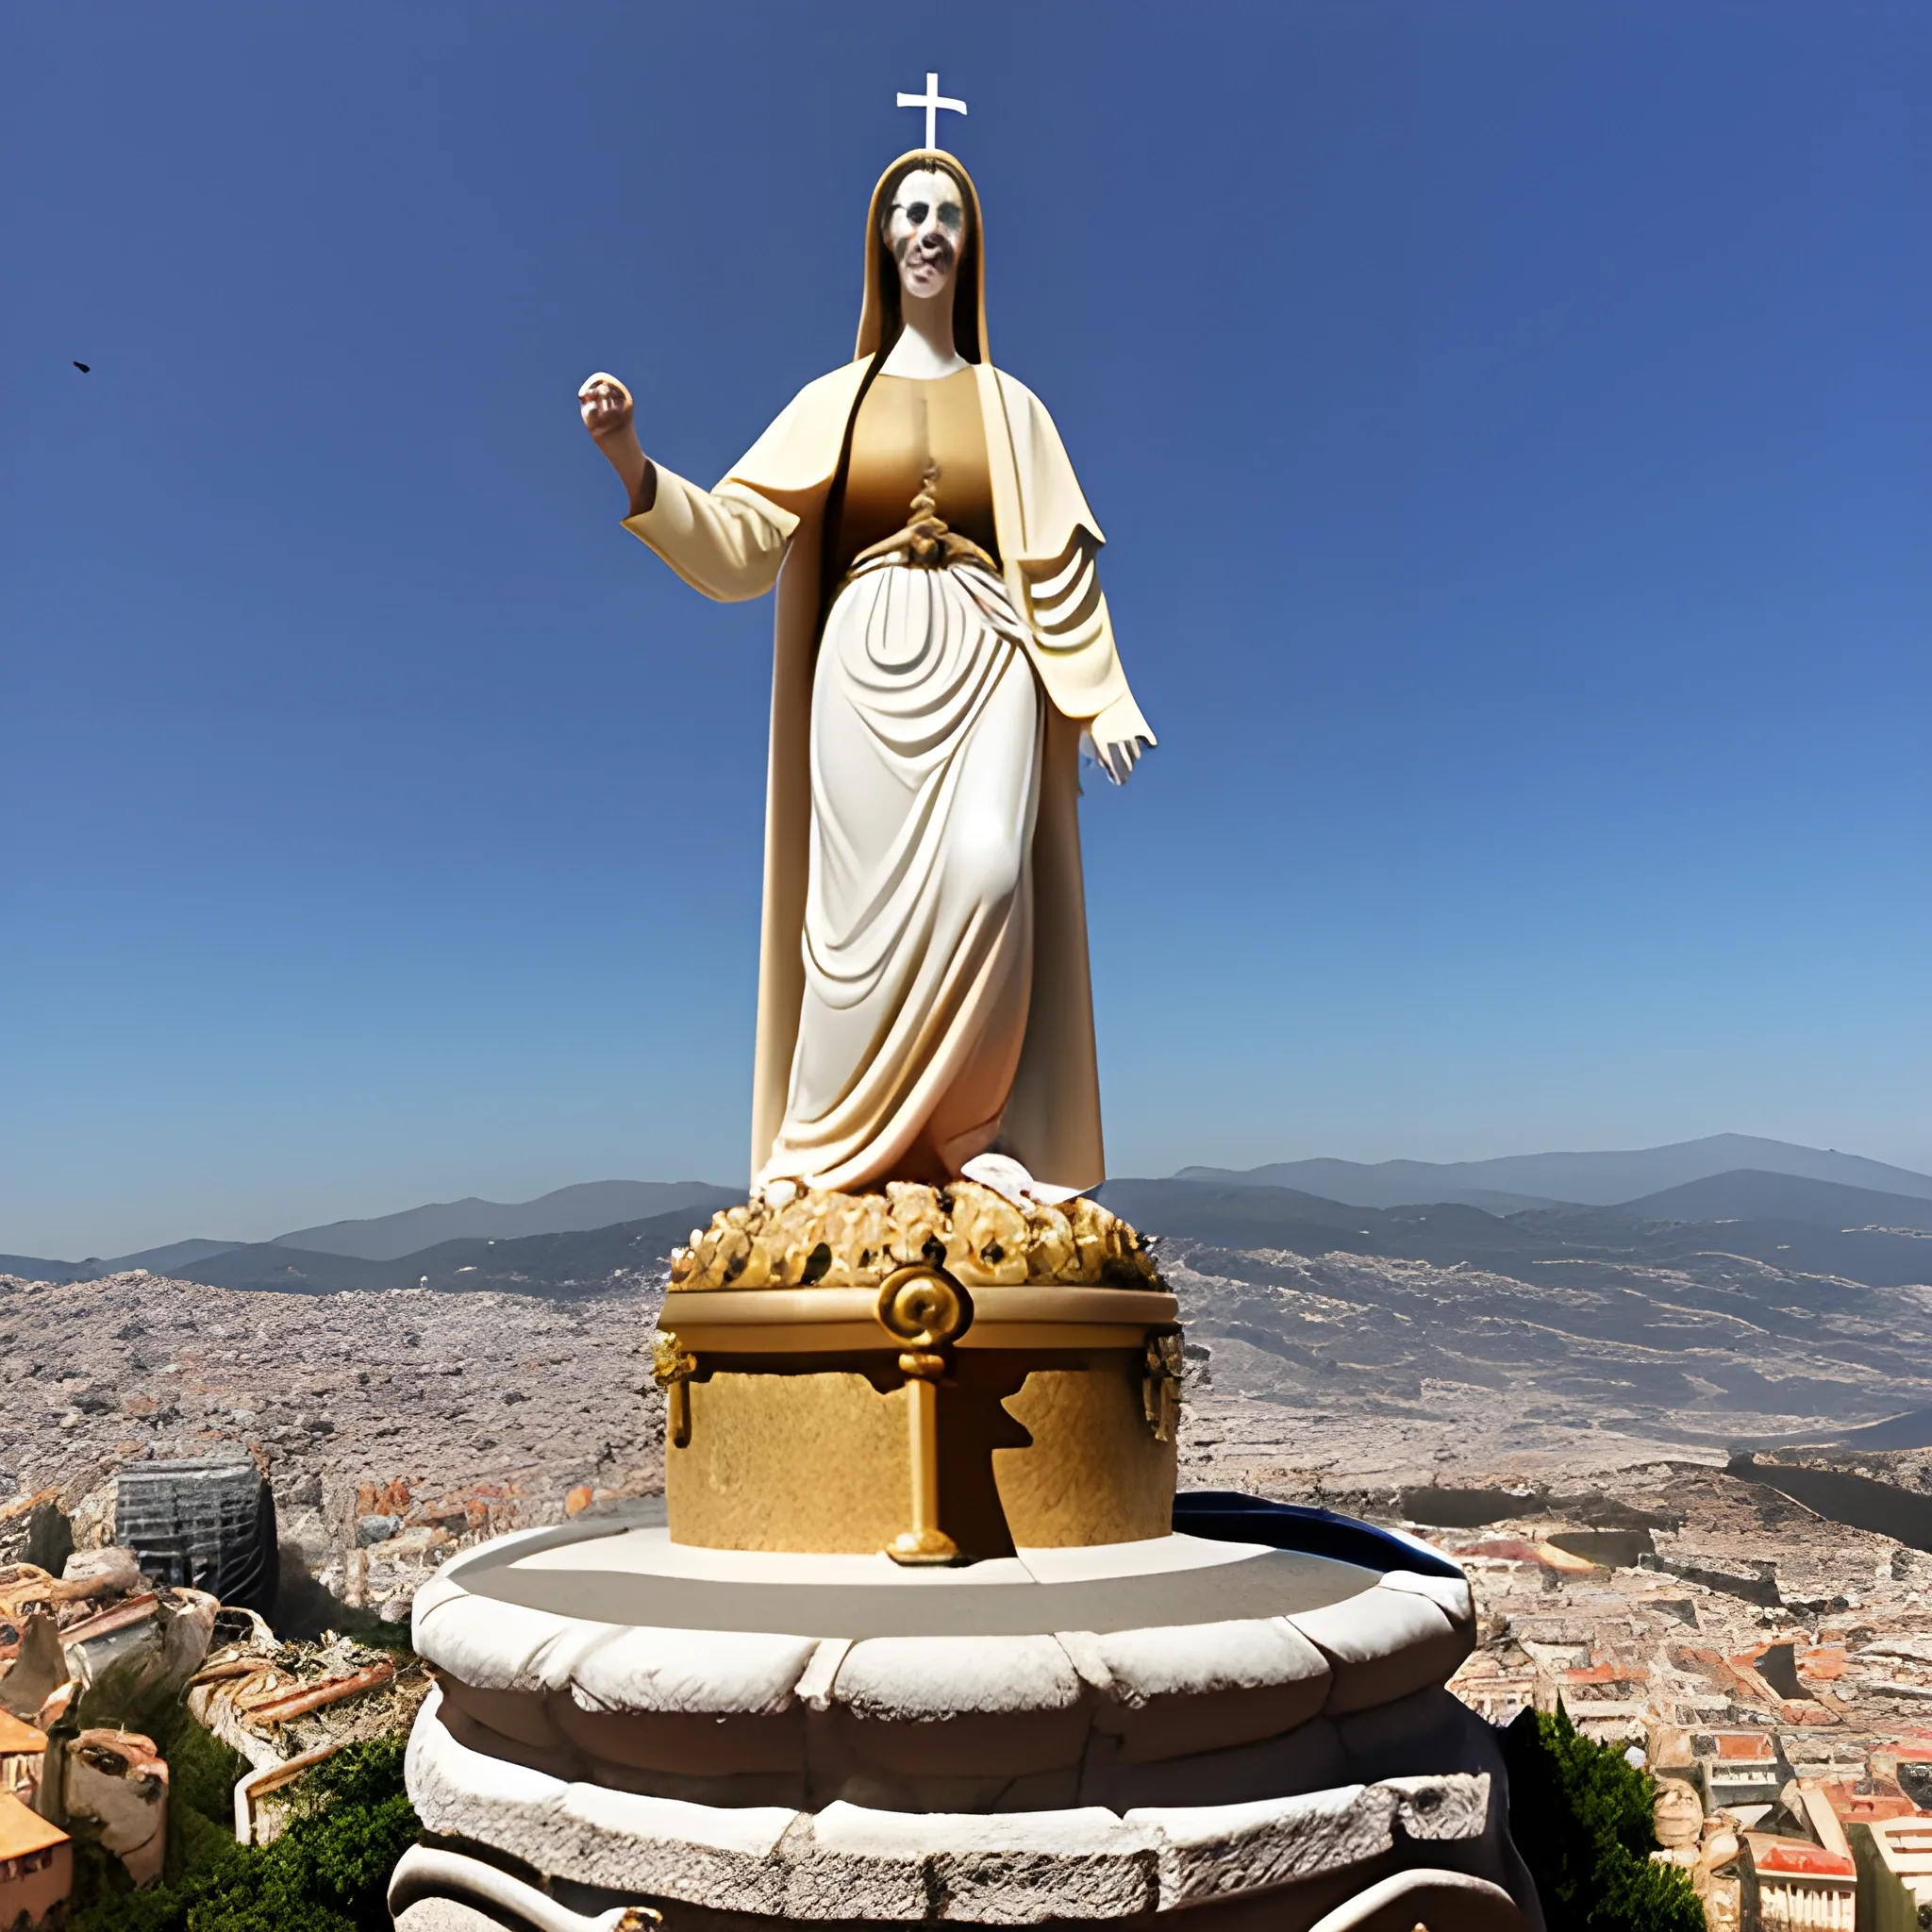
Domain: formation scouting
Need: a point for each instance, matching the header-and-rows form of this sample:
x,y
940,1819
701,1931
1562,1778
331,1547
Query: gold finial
x,y
926,1309
672,1369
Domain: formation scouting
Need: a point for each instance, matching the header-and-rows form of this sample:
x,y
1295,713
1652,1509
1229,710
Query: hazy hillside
x,y
589,1205
1707,1346
1768,1209
167,1261
1755,1196
565,1262
33,1268
1595,1180
1392,1184
1539,1244
172,1259
1258,1217
1544,1245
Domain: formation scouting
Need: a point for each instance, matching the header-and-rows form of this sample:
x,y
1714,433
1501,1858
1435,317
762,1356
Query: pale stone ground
x,y
1359,1455
489,1407
534,1395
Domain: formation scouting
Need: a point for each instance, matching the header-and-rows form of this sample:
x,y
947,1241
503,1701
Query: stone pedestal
x,y
915,1641
1108,1733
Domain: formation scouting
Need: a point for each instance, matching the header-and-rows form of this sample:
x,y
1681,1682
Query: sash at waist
x,y
925,544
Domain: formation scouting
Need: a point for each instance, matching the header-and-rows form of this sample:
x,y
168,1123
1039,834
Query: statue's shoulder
x,y
1017,398
823,405
799,451
842,381
1028,418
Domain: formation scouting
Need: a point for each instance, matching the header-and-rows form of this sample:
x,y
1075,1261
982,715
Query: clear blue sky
x,y
1513,428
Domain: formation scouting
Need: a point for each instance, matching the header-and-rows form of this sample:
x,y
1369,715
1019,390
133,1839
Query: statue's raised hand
x,y
605,406
609,414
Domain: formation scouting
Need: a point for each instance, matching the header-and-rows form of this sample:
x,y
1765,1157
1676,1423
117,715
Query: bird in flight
x,y
84,368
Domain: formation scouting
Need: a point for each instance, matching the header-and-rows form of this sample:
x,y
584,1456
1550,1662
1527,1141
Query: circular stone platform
x,y
1085,1733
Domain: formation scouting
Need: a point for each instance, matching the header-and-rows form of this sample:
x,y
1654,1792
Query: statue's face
x,y
924,228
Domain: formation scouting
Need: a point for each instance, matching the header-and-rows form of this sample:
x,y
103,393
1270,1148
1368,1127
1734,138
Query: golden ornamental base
x,y
874,1391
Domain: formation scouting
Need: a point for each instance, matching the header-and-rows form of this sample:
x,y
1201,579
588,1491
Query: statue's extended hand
x,y
609,415
1117,735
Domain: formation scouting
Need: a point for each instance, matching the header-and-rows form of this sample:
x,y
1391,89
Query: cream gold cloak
x,y
763,525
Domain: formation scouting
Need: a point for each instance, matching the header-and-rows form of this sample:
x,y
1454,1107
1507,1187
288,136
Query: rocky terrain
x,y
459,1412
1690,1476
1705,1568
1395,1364
1360,1379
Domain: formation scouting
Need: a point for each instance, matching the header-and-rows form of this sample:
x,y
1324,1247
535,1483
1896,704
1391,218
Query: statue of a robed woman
x,y
924,1006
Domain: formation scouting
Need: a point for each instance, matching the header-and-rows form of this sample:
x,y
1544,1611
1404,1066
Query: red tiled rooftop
x,y
18,1738
1850,1805
23,1832
1793,1857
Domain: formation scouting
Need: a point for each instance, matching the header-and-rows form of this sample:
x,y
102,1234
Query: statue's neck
x,y
926,348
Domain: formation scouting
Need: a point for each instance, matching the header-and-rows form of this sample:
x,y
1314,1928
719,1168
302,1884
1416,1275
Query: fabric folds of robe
x,y
768,512
927,736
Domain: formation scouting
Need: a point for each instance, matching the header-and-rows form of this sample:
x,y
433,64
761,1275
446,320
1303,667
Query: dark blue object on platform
x,y
1231,1517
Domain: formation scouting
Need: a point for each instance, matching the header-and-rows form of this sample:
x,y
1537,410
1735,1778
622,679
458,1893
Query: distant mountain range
x,y
591,1204
1791,1226
393,1237
1541,1180
1800,1208
565,1262
1798,1227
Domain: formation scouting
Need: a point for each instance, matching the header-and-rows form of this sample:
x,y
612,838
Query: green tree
x,y
328,1872
1582,1818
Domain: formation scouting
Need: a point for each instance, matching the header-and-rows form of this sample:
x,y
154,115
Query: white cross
x,y
932,101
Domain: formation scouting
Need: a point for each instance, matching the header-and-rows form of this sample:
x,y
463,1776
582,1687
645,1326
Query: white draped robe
x,y
923,975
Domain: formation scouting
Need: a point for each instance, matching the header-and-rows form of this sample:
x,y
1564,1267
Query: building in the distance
x,y
36,1866
23,1752
1894,1858
1742,1774
1801,1886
